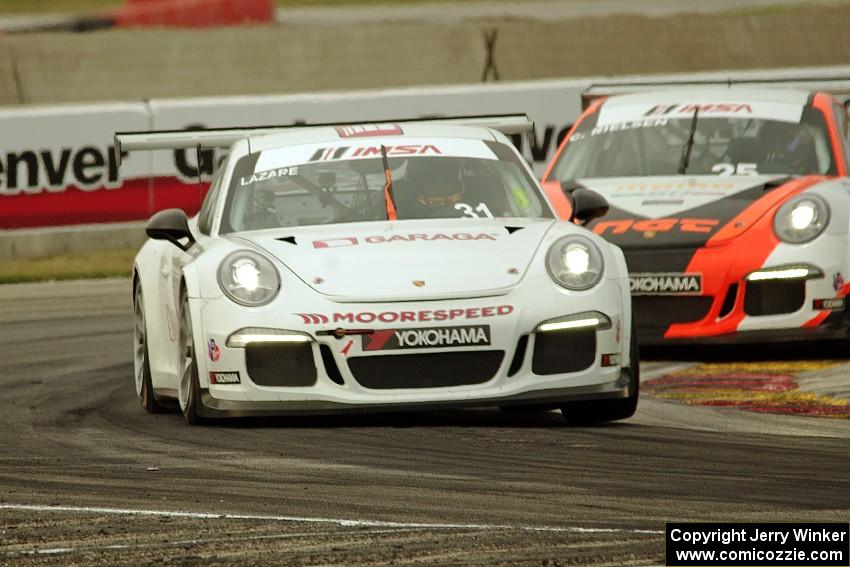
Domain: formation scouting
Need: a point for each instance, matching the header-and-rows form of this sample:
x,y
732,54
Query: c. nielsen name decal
x,y
665,284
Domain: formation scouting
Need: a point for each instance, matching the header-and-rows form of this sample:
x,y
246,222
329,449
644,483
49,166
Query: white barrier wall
x,y
56,167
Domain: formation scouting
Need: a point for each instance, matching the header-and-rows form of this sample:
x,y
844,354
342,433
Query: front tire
x,y
600,411
141,358
189,390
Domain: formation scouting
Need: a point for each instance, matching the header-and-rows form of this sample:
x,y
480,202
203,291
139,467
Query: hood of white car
x,y
407,260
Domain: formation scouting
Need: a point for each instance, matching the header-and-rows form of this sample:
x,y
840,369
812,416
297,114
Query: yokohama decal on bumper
x,y
435,337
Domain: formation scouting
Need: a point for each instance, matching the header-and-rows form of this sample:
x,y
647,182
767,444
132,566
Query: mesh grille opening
x,y
431,370
774,297
655,314
271,364
558,352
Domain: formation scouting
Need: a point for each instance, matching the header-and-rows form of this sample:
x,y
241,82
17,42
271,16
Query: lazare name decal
x,y
665,284
434,337
354,241
406,316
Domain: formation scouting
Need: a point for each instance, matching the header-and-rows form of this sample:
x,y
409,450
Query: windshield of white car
x,y
338,191
728,145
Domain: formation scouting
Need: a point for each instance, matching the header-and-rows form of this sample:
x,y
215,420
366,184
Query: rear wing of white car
x,y
838,86
508,124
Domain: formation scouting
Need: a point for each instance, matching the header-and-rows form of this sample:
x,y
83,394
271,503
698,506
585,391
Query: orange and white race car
x,y
731,203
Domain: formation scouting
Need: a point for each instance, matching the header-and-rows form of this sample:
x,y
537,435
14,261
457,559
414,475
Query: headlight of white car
x,y
575,263
248,279
801,219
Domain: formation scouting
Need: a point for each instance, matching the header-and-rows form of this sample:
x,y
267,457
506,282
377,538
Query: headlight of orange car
x,y
801,219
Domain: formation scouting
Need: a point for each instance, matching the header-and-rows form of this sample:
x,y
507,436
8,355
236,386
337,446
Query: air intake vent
x,y
729,301
330,365
290,239
519,355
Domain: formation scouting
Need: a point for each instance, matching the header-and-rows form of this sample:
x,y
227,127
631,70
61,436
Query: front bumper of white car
x,y
493,352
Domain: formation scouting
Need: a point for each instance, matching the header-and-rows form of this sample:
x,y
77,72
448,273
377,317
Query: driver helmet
x,y
436,181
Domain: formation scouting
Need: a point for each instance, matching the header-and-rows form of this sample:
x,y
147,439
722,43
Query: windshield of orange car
x,y
734,140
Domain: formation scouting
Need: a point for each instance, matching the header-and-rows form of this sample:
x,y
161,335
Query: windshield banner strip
x,y
782,112
350,150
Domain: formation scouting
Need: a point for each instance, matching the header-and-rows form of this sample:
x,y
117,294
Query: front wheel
x,y
189,392
600,411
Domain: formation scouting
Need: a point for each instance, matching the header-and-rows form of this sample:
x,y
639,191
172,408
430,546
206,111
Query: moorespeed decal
x,y
433,337
665,284
269,174
675,189
379,239
422,315
369,130
228,377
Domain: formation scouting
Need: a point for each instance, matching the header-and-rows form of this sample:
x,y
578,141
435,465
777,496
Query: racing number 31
x,y
476,213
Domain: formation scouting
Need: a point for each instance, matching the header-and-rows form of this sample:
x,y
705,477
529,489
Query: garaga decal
x,y
655,225
434,337
354,241
367,317
665,284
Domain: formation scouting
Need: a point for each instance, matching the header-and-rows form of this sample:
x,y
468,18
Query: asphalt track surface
x,y
86,477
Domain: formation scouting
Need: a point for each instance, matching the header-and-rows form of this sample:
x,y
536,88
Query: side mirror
x,y
173,226
587,205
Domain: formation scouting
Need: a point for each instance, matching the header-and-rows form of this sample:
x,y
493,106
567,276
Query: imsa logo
x,y
665,284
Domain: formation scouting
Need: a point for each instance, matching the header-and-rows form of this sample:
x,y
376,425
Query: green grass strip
x,y
103,264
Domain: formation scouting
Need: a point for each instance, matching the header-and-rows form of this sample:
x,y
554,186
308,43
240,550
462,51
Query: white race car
x,y
379,267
